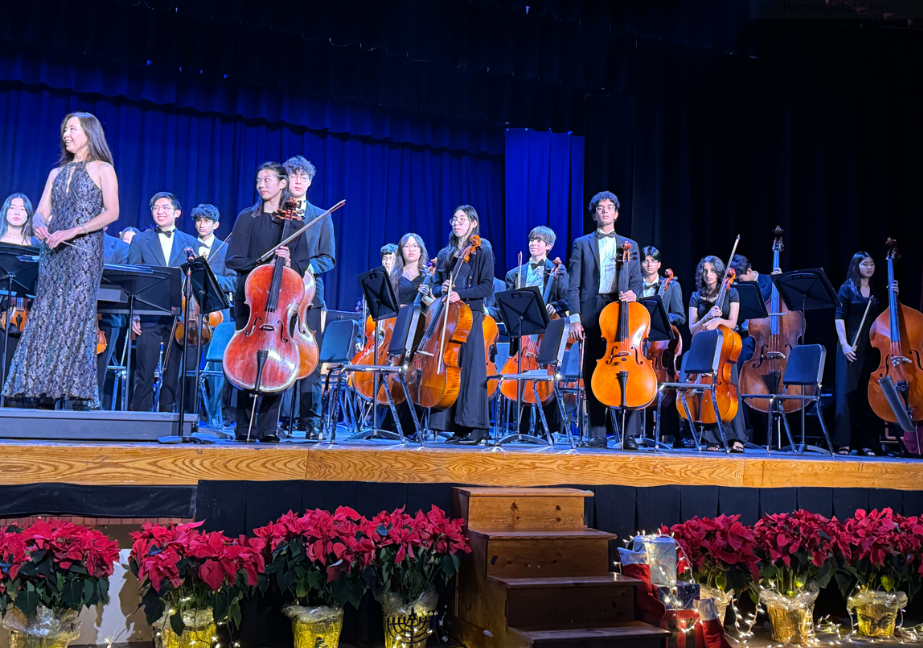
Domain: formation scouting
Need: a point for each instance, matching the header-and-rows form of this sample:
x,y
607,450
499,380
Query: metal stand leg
x,y
419,434
714,402
681,394
823,426
518,436
541,414
562,411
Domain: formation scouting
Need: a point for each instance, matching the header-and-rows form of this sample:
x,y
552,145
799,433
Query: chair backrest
x,y
570,368
338,345
704,353
503,354
554,343
402,333
805,365
221,336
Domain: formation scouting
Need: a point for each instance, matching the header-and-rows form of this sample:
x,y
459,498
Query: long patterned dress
x,y
56,357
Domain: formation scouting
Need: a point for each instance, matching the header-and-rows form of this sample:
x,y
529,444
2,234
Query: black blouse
x,y
407,290
702,306
474,282
852,308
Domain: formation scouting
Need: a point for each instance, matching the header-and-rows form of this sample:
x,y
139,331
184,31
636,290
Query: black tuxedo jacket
x,y
217,258
115,250
557,297
583,279
145,250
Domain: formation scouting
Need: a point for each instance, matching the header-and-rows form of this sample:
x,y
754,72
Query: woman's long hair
x,y
97,148
398,270
718,266
446,253
853,276
5,224
281,173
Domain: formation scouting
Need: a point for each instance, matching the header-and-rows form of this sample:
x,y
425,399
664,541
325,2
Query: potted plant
x,y
720,555
191,580
411,554
48,573
882,572
317,559
797,558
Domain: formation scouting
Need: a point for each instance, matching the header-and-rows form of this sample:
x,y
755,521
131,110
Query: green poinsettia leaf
x,y
176,624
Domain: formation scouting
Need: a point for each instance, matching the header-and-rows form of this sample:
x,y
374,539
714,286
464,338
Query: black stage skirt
x,y
471,409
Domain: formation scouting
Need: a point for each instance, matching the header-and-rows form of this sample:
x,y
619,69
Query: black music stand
x,y
203,285
155,291
18,272
752,305
661,331
382,304
523,313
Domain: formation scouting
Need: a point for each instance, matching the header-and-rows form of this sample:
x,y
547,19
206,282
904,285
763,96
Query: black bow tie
x,y
536,266
600,235
205,245
167,233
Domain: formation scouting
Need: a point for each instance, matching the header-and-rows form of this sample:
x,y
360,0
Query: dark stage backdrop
x,y
390,188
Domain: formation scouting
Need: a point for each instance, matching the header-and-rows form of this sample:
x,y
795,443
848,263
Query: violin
x,y
491,335
663,354
774,337
529,350
17,315
264,356
700,405
623,376
435,372
101,342
898,335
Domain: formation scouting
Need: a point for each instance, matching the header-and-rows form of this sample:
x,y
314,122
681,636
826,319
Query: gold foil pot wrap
x,y
200,631
722,599
876,612
45,629
792,616
408,624
315,627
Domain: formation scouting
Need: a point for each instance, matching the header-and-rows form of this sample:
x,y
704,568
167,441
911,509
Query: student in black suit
x,y
162,246
115,252
592,286
322,256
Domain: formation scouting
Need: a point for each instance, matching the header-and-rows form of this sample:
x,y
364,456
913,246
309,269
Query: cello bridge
x,y
775,355
899,360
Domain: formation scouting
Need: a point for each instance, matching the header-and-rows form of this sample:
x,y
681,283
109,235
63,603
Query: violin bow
x,y
862,323
271,252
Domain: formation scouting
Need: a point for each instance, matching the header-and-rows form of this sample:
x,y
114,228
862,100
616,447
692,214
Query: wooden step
x,y
520,509
561,602
544,553
631,634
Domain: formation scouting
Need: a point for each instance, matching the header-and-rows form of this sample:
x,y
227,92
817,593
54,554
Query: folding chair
x,y
572,374
701,360
336,350
805,368
214,359
550,355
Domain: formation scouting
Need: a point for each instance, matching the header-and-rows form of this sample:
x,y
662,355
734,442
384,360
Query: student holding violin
x,y
591,287
409,269
705,314
469,417
257,230
856,425
321,257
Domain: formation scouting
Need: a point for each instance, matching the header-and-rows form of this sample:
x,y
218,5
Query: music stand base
x,y
523,438
363,435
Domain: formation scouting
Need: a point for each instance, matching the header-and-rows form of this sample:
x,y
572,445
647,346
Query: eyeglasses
x,y
161,208
458,221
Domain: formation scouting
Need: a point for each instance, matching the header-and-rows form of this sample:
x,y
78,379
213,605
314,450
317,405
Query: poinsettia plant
x,y
412,552
56,564
885,552
798,548
318,557
182,569
719,551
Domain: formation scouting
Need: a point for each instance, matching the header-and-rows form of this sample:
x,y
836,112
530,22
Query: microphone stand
x,y
181,432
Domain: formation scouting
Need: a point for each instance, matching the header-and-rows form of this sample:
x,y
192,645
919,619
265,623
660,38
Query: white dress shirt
x,y
166,243
205,247
608,248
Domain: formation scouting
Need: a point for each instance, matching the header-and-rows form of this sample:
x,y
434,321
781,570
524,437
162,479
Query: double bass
x,y
624,377
435,372
774,338
663,354
529,350
700,405
898,335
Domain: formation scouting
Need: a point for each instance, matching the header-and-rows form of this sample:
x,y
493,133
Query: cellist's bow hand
x,y
849,352
576,331
453,297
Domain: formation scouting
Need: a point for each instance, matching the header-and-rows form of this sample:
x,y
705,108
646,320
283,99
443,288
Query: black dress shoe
x,y
595,442
269,438
455,439
630,444
473,439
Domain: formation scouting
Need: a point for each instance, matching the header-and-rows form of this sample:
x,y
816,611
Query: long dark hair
x,y
446,253
97,148
398,270
5,224
718,266
281,174
853,276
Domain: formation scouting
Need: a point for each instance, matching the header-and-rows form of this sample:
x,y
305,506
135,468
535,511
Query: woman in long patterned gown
x,y
56,357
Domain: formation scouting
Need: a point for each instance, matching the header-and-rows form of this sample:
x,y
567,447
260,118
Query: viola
x,y
663,354
491,335
264,355
700,404
623,376
435,373
531,345
17,315
774,338
898,335
182,333
101,342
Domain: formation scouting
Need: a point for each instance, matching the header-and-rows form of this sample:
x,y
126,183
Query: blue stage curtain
x,y
544,186
390,189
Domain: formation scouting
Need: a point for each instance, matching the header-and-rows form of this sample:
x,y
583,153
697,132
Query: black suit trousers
x,y
147,354
310,389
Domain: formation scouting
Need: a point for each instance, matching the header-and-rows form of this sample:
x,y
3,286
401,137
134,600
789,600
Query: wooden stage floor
x,y
150,464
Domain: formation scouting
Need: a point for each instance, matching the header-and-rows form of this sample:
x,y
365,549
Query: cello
x,y
898,335
774,337
700,406
435,371
397,392
530,348
663,354
624,377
